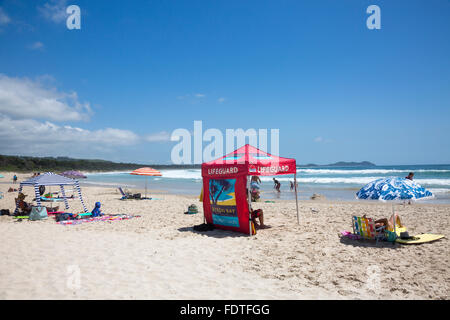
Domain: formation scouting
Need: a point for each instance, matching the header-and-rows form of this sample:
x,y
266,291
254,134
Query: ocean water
x,y
337,183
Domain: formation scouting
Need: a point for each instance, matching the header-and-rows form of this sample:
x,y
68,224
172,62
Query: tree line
x,y
57,164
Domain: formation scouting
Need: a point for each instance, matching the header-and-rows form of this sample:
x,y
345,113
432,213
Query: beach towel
x,y
108,218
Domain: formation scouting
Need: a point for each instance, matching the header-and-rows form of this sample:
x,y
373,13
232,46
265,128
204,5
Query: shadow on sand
x,y
216,233
369,243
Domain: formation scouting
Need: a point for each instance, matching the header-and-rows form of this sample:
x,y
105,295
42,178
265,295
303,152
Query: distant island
x,y
342,164
58,164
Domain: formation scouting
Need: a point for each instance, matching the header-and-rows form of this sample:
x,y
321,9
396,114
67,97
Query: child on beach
x,y
97,212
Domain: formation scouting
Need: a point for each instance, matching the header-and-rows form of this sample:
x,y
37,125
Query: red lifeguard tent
x,y
226,185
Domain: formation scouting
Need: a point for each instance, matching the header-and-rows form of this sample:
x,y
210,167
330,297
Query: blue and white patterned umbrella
x,y
393,189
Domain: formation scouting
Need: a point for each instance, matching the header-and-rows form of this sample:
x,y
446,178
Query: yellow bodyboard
x,y
421,238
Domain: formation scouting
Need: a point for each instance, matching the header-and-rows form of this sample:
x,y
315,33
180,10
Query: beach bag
x,y
38,213
390,236
192,209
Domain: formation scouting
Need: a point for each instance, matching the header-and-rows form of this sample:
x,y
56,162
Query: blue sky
x,y
137,70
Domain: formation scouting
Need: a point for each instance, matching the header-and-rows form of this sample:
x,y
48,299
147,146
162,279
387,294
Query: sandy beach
x,y
159,256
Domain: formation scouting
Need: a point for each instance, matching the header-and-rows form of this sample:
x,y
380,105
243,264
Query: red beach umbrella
x,y
146,171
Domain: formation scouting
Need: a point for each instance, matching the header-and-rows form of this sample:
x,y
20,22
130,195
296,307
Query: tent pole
x,y
393,217
17,201
64,196
249,199
145,196
296,197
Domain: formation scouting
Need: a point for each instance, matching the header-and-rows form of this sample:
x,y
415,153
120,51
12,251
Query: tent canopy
x,y
249,160
73,174
226,186
49,179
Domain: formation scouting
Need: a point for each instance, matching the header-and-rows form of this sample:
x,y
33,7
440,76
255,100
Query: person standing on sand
x,y
410,176
256,179
14,179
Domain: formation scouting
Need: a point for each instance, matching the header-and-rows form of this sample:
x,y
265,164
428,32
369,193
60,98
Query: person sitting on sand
x,y
389,224
258,214
410,176
96,211
24,206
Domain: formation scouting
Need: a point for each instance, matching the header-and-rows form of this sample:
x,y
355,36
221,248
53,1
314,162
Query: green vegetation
x,y
36,164
59,164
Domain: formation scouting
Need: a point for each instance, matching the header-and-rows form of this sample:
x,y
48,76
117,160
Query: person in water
x,y
277,184
410,176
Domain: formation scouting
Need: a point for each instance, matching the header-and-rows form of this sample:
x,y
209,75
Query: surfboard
x,y
421,238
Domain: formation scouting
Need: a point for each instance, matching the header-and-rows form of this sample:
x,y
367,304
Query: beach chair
x,y
365,228
125,195
128,195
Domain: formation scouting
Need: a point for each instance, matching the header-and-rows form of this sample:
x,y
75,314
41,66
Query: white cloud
x,y
34,116
318,139
199,95
4,19
37,46
158,137
322,140
19,136
54,10
26,99
221,100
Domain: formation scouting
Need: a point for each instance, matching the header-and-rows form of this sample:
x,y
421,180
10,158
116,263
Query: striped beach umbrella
x,y
146,171
73,174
